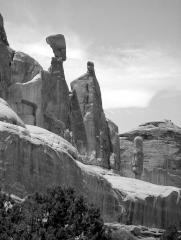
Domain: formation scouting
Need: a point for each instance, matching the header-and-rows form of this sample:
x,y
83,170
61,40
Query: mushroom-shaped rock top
x,y
58,45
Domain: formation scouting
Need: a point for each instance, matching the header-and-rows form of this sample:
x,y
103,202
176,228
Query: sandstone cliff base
x,y
32,159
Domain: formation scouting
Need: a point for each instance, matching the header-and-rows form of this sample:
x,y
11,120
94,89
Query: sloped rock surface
x,y
162,152
8,115
32,158
97,132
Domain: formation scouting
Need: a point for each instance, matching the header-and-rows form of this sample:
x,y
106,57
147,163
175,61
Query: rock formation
x,y
57,93
97,132
162,155
3,37
32,159
6,55
8,115
77,126
114,136
137,164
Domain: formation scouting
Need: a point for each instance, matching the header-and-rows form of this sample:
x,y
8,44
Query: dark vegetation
x,y
57,214
171,233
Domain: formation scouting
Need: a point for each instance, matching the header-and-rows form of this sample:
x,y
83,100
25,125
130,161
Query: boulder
x,y
33,159
161,149
97,133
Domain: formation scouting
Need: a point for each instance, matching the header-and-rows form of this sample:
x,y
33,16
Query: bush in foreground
x,y
57,214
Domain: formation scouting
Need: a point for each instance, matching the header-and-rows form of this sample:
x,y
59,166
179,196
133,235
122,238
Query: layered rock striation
x,y
32,159
161,149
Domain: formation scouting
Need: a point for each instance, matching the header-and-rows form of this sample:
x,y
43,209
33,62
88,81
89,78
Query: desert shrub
x,y
57,214
170,233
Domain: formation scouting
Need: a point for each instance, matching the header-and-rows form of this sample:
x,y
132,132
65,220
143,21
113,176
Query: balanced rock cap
x,y
58,45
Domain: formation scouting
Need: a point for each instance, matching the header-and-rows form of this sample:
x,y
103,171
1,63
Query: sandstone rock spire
x,y
56,103
89,96
3,37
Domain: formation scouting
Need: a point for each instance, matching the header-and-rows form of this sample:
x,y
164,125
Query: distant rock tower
x,y
137,164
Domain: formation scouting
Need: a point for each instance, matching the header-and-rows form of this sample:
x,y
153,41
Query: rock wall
x,y
32,159
161,149
97,132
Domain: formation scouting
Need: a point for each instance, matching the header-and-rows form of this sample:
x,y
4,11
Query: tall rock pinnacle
x,y
3,37
88,93
56,104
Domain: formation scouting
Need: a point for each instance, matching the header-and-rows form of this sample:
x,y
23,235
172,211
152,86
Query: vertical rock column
x,y
6,56
55,92
115,156
89,96
137,164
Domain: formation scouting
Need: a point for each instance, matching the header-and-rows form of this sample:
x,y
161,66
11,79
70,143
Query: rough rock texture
x,y
3,37
58,45
56,94
32,158
77,125
97,132
138,157
115,156
40,98
8,115
161,149
132,232
6,56
23,68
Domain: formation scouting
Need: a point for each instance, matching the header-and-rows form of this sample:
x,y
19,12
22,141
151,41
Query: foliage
x,y
57,214
171,233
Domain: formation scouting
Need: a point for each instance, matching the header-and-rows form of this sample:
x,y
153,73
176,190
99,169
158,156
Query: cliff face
x,y
6,56
162,152
97,132
33,159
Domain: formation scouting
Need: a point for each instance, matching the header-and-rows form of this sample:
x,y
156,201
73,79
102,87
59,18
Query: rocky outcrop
x,y
3,37
8,115
6,56
97,132
32,159
161,149
114,136
77,126
39,97
23,68
58,45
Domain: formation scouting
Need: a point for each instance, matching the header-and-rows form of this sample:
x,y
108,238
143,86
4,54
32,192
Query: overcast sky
x,y
134,44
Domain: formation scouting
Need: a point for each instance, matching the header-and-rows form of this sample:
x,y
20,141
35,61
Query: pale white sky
x,y
135,44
